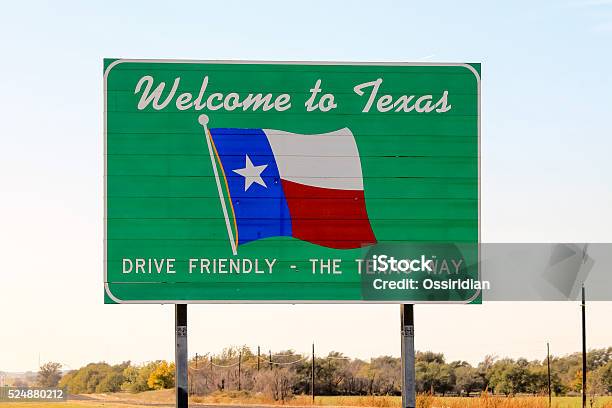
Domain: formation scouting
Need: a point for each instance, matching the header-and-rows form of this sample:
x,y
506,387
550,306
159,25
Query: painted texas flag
x,y
308,187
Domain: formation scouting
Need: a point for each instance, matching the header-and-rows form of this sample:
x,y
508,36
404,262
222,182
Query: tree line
x,y
283,374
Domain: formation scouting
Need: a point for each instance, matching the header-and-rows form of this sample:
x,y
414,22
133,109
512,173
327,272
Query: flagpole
x,y
203,120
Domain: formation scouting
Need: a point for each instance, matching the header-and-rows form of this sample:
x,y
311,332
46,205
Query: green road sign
x,y
291,182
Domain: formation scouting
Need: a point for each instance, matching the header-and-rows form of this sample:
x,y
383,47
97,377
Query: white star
x,y
251,174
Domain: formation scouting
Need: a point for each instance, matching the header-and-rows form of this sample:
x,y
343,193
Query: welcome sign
x,y
291,182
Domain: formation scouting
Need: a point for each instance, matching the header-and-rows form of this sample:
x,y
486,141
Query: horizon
x,y
322,357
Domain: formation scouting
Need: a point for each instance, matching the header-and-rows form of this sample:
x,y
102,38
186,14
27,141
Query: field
x,y
165,398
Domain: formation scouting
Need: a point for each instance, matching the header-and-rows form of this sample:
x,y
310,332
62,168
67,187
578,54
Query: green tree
x,y
518,376
86,379
110,383
468,379
331,372
429,357
49,374
433,376
386,373
497,376
484,368
537,379
606,377
136,377
95,377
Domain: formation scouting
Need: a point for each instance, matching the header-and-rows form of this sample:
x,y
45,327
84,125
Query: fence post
x,y
312,390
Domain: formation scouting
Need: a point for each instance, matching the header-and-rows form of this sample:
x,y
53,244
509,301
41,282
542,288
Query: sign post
x,y
408,370
181,361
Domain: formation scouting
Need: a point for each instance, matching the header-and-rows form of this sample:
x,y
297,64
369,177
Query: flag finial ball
x,y
203,119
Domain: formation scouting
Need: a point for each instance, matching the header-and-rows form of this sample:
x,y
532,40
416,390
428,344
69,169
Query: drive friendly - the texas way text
x,y
377,264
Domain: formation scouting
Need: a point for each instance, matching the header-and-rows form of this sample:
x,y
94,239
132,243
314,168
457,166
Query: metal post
x,y
312,379
549,384
239,368
180,322
191,387
408,373
212,374
584,352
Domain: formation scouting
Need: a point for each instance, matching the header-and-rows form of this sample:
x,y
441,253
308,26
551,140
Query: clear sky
x,y
546,168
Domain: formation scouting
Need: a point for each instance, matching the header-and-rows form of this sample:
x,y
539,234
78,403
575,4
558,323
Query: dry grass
x,y
146,397
488,401
352,401
165,398
69,404
242,398
423,401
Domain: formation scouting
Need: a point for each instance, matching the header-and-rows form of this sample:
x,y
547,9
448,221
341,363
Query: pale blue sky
x,y
546,143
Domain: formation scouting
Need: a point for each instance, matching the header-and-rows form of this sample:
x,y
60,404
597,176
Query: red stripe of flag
x,y
328,217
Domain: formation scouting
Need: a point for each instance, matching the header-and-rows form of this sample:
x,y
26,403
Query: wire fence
x,y
209,372
301,357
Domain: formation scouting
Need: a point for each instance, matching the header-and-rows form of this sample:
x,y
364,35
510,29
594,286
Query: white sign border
x,y
245,62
